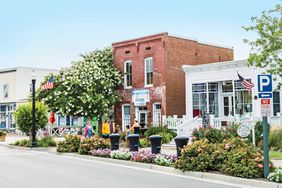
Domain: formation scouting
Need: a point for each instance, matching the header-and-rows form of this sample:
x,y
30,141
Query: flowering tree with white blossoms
x,y
87,88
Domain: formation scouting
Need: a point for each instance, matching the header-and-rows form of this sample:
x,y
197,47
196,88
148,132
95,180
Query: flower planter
x,y
2,138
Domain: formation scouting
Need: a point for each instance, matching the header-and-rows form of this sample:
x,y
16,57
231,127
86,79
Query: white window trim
x,y
145,71
124,77
122,116
154,110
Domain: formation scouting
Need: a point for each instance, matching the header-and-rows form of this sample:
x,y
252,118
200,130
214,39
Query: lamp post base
x,y
33,145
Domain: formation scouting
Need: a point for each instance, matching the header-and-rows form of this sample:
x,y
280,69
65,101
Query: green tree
x,y
87,88
23,116
266,50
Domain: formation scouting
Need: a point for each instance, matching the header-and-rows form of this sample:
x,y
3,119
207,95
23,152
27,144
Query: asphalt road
x,y
33,169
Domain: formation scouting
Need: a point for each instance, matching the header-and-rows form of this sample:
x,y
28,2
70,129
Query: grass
x,y
275,155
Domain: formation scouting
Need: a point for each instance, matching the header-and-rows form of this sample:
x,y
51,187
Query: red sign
x,y
265,101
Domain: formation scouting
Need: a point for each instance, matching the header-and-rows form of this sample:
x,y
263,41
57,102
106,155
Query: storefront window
x,y
243,99
276,103
199,99
213,98
227,87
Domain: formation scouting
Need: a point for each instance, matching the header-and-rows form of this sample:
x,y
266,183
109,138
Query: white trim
x,y
122,116
157,111
124,76
145,72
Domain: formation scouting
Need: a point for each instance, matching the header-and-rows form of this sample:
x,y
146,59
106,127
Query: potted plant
x,y
2,136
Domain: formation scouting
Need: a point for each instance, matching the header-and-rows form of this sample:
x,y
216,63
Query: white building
x,y
15,88
216,89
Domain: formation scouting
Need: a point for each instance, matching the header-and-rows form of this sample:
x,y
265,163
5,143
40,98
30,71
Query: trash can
x,y
133,142
156,143
114,138
180,142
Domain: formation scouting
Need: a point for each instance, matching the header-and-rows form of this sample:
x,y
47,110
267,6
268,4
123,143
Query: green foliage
x,y
266,49
167,134
87,145
144,143
211,134
122,136
196,157
166,137
2,133
234,157
87,88
23,116
275,140
47,141
162,161
71,144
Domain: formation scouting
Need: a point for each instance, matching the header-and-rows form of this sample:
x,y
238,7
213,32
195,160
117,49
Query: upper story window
x,y
5,91
149,71
128,74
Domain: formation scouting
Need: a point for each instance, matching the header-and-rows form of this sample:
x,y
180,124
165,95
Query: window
x,y
128,74
157,114
243,99
5,91
125,115
149,71
276,103
213,98
199,99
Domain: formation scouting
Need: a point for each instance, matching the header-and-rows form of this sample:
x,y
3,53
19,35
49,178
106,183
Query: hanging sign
x,y
140,97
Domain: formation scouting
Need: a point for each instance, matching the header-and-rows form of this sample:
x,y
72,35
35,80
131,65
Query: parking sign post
x,y
265,93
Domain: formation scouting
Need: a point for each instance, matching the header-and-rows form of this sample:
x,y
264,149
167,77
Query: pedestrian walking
x,y
88,130
106,131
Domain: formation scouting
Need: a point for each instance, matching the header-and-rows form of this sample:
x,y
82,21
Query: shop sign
x,y
140,97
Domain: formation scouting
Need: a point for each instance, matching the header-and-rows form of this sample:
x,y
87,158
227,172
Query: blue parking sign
x,y
264,83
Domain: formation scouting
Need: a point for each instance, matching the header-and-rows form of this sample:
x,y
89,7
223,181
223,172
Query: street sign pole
x,y
265,147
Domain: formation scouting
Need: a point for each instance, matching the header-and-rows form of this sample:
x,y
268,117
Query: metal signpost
x,y
265,93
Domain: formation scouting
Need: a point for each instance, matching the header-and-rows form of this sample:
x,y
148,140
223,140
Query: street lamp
x,y
33,129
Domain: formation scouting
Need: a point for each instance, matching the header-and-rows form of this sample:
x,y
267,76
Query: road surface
x,y
33,169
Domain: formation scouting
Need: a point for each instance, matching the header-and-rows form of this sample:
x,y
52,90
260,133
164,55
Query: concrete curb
x,y
201,175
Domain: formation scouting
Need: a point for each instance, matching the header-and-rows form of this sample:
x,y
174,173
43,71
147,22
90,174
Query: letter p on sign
x,y
264,83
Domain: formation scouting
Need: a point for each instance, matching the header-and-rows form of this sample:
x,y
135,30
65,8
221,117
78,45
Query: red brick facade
x,y
169,53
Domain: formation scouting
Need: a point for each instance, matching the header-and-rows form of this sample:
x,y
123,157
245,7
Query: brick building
x,y
153,78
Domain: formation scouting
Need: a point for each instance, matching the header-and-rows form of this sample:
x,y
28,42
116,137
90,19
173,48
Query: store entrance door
x,y
228,105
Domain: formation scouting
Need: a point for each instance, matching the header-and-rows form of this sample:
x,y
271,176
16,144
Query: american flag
x,y
49,84
245,83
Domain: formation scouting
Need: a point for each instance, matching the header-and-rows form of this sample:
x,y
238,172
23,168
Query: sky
x,y
53,33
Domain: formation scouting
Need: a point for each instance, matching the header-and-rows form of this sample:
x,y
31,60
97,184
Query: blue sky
x,y
51,34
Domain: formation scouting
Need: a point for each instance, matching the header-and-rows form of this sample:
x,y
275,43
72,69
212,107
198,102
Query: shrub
x,y
276,175
123,155
211,134
144,143
122,136
196,157
102,153
23,116
156,130
2,133
275,140
234,157
88,144
71,144
44,142
47,141
167,137
258,132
